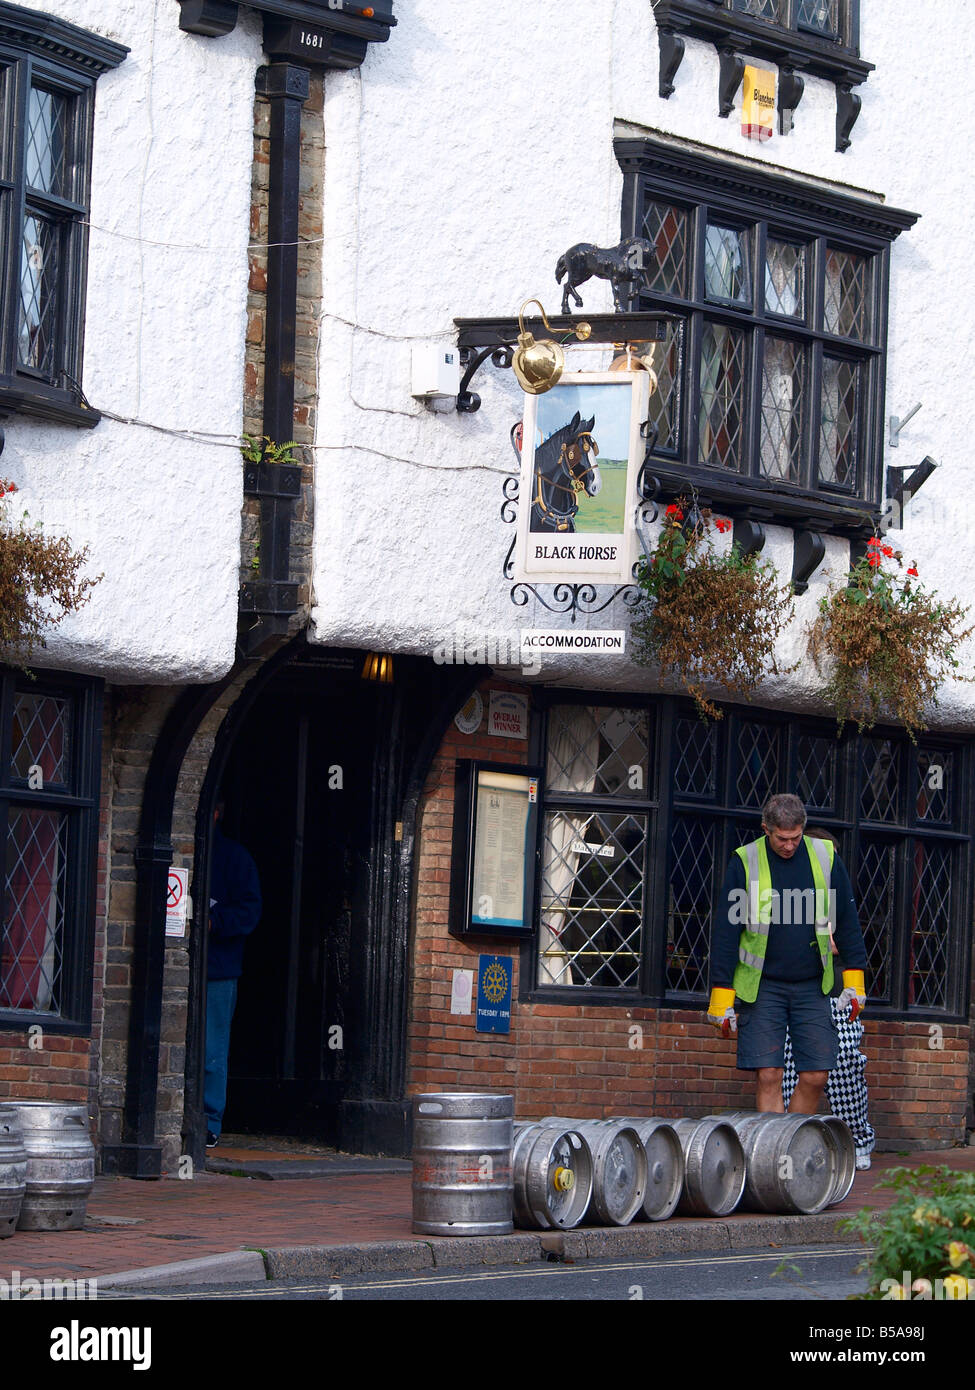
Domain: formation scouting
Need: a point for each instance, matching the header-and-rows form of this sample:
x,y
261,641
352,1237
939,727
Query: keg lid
x,y
568,1178
722,1168
621,1175
809,1167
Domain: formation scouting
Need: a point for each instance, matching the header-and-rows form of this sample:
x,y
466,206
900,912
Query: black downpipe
x,y
274,598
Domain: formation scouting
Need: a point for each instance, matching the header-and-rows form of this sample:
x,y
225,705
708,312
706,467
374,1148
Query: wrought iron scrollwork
x,y
469,401
509,507
572,598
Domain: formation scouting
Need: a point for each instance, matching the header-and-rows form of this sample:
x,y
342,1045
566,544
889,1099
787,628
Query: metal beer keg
x,y
60,1164
665,1166
790,1162
13,1171
552,1176
462,1164
846,1157
714,1166
619,1164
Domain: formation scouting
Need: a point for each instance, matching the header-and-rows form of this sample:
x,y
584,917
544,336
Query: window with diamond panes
x,y
48,807
629,885
773,363
822,19
591,904
48,72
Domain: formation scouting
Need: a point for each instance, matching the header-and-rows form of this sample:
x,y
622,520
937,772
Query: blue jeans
x,y
221,998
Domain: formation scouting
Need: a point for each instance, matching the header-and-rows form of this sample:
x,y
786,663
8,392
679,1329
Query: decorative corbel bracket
x,y
671,56
213,18
791,88
809,550
847,109
732,70
748,535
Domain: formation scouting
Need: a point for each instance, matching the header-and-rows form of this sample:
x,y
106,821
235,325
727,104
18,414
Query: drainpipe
x,y
267,603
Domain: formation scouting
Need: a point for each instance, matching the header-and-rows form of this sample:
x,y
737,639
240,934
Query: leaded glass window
x,y
47,85
773,362
630,870
48,825
723,356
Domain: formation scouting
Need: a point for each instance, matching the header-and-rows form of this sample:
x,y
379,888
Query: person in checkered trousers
x,y
846,1085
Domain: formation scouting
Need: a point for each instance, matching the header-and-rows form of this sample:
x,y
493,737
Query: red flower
x,y
874,540
887,550
723,524
913,571
675,511
874,560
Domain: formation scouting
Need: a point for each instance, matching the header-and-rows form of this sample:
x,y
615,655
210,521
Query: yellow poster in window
x,y
757,103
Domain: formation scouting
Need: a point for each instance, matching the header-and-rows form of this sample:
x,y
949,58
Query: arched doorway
x,y
320,772
300,793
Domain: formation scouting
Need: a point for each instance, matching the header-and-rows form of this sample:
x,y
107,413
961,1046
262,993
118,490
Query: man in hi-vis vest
x,y
771,954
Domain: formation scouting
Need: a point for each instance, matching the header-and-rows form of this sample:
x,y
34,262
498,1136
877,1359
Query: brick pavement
x,y
134,1225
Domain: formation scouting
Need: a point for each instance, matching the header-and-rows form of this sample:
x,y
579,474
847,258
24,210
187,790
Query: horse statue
x,y
624,266
565,465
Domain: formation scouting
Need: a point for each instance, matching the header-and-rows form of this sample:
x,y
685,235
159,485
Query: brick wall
x,y
587,1062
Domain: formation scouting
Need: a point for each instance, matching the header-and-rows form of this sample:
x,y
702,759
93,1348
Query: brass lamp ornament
x,y
538,366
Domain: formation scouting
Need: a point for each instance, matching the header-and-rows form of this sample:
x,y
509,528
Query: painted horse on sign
x,y
564,466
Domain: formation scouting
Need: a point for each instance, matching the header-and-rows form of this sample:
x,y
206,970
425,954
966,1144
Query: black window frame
x,y
40,51
78,800
663,804
739,194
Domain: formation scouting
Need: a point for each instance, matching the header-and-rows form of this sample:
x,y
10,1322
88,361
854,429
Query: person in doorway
x,y
771,950
235,910
846,1085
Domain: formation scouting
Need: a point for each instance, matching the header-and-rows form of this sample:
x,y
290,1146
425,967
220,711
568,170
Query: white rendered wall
x,y
164,345
466,156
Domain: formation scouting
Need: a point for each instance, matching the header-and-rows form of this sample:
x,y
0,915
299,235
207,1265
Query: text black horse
x,y
565,465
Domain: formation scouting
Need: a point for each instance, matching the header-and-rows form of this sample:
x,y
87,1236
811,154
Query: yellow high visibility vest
x,y
758,887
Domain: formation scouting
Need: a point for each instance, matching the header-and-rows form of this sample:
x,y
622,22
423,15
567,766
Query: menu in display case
x,y
492,869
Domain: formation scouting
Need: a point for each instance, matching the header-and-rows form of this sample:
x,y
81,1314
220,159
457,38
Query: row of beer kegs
x,y
476,1171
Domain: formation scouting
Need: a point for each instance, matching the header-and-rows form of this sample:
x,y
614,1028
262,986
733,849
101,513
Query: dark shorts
x,y
801,1007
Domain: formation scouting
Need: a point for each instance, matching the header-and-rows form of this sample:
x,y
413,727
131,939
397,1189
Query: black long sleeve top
x,y
791,952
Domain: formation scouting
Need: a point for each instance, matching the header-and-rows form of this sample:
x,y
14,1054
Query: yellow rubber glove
x,y
854,992
721,1011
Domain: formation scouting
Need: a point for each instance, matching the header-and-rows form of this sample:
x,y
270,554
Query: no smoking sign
x,y
176,901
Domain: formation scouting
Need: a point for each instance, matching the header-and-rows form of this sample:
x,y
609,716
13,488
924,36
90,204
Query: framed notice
x,y
495,833
580,460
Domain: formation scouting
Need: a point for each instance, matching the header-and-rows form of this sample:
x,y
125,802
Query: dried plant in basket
x,y
709,619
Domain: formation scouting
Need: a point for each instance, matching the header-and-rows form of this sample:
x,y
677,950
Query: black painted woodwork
x,y
138,1155
69,60
744,193
273,600
351,31
808,553
79,800
736,34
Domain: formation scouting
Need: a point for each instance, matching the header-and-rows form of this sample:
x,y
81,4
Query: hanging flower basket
x,y
39,582
706,618
887,644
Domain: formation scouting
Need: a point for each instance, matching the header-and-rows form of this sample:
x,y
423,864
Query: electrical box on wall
x,y
436,373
